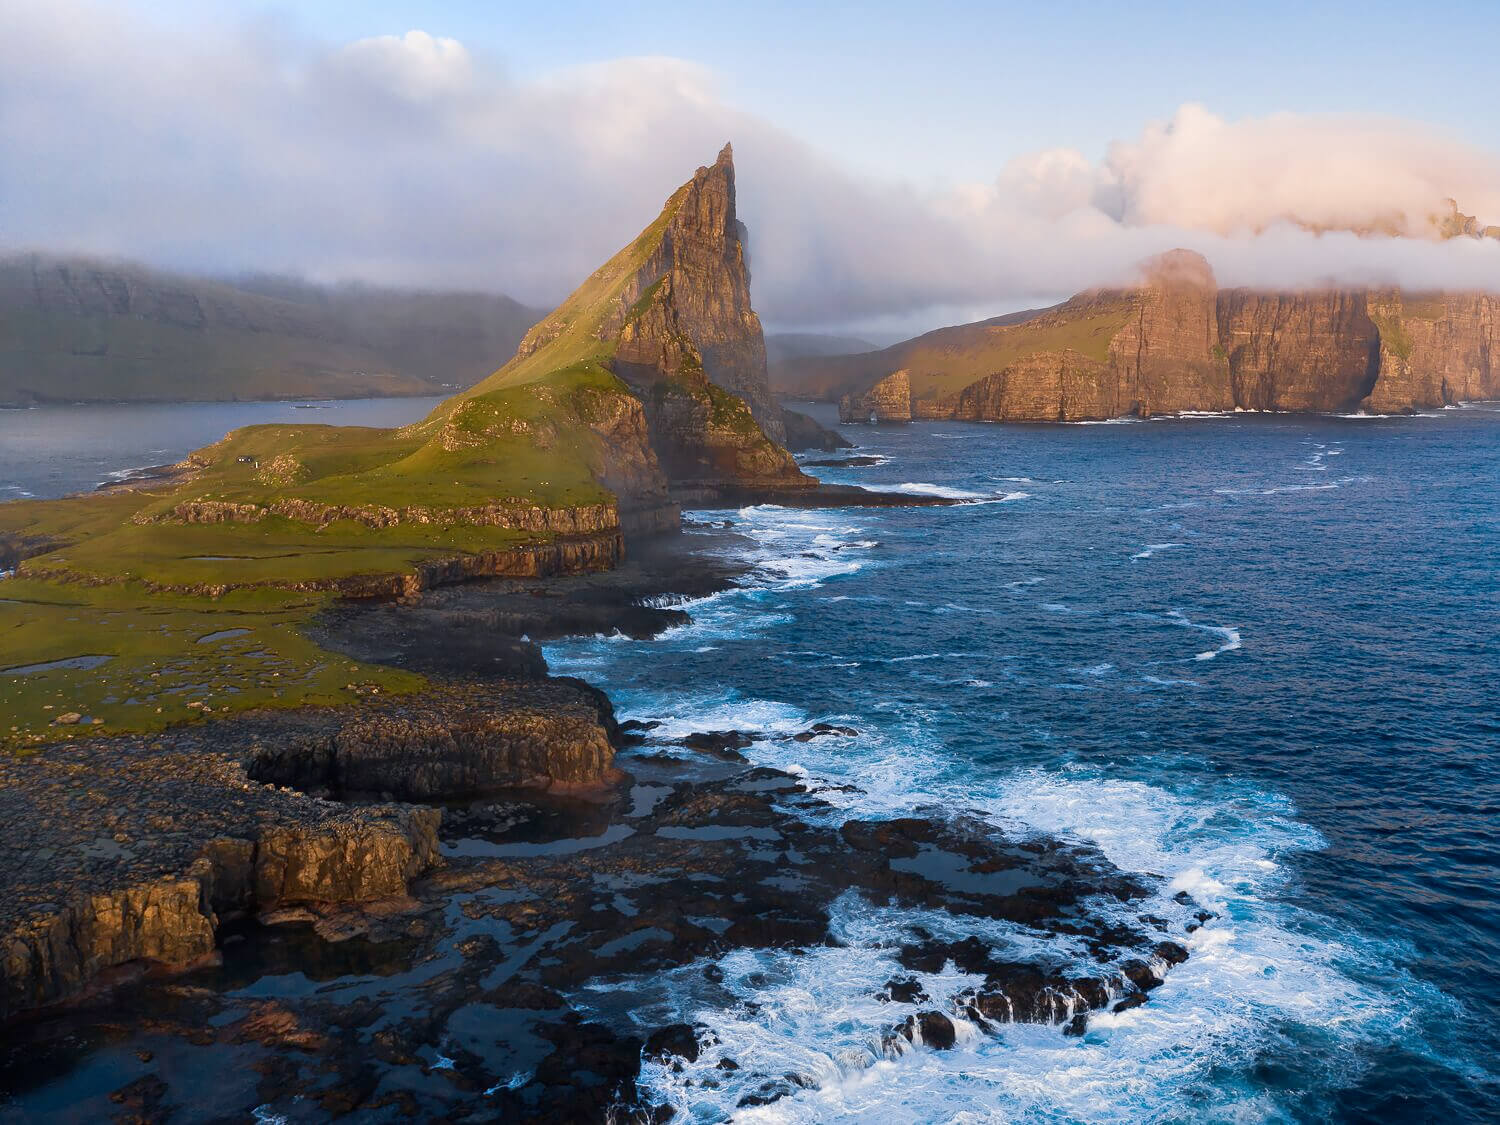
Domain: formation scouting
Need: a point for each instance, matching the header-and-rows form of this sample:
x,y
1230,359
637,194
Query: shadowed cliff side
x,y
80,330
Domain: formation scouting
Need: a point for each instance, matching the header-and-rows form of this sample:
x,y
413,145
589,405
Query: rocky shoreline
x,y
498,843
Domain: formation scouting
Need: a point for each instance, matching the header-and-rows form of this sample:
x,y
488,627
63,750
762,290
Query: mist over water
x,y
1253,656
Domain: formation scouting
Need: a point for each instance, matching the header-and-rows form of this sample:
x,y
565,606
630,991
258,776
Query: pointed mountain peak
x,y
726,156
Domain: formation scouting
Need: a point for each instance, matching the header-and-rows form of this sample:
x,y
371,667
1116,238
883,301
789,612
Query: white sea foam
x,y
919,488
1227,633
1263,972
688,713
1152,548
1258,970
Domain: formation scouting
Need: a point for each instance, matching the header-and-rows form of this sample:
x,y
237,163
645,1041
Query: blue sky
x,y
899,166
949,90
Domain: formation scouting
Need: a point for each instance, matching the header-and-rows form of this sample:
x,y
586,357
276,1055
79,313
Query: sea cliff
x,y
1180,343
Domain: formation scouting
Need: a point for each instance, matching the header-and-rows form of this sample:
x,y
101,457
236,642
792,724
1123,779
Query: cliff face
x,y
1179,343
1298,351
709,274
1167,357
1049,387
1435,350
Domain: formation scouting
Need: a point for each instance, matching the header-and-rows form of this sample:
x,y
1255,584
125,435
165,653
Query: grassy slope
x,y
520,436
99,602
170,659
936,373
945,361
573,329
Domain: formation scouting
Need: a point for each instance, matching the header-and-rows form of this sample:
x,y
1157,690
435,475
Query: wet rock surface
x,y
121,849
520,978
466,903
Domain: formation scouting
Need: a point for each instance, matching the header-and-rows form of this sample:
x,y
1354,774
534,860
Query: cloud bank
x,y
410,159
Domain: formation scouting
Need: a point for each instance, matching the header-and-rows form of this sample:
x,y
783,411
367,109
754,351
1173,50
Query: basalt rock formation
x,y
425,754
1179,343
139,850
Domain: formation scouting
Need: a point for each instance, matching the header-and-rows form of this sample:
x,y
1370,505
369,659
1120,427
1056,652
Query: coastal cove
x,y
1141,640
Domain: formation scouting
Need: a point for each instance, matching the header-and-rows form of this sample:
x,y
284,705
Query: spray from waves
x,y
1264,981
790,549
1260,982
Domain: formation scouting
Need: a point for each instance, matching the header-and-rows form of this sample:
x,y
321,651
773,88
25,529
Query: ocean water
x,y
49,451
1258,656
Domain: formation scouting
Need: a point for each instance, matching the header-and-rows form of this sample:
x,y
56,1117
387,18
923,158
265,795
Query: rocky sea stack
x,y
197,592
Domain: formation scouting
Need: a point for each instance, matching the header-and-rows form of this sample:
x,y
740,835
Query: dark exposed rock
x,y
802,433
844,462
722,744
728,858
424,753
824,730
678,1040
930,1029
1141,974
1173,953
908,991
141,1097
233,846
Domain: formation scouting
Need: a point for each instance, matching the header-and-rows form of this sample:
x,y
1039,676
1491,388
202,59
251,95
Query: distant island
x,y
1176,343
83,330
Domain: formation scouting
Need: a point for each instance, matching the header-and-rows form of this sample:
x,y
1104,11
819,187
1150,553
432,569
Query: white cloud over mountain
x,y
410,159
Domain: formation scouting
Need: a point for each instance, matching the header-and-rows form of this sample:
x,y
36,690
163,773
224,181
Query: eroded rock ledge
x,y
130,849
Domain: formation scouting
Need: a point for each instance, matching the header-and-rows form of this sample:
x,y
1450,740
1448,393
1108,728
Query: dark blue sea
x,y
1256,656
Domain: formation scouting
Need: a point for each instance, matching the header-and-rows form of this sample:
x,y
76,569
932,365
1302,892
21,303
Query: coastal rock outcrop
x,y
1435,349
692,347
887,401
1179,343
804,434
173,919
1167,357
421,755
138,849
